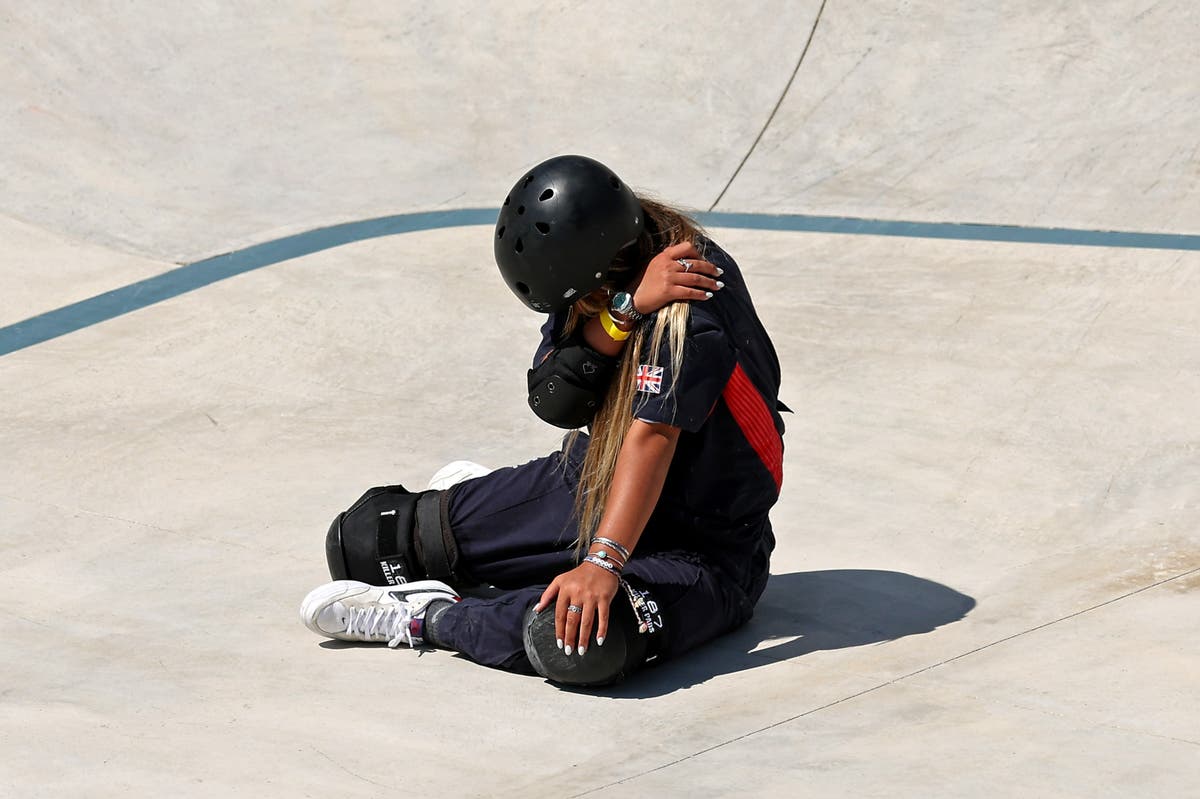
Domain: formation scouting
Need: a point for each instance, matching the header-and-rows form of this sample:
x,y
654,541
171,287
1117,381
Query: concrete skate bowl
x,y
245,248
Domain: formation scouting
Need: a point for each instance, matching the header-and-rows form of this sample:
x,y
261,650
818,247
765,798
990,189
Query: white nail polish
x,y
720,271
582,650
567,650
708,295
560,643
720,285
600,641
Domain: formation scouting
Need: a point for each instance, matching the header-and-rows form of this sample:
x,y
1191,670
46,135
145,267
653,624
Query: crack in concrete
x,y
872,689
771,117
348,771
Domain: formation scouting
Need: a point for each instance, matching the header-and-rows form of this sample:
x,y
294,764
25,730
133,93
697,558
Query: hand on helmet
x,y
584,596
675,274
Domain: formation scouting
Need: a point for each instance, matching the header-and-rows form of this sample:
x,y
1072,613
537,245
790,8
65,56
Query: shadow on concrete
x,y
814,611
807,612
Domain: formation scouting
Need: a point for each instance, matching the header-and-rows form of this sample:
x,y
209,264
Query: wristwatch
x,y
622,303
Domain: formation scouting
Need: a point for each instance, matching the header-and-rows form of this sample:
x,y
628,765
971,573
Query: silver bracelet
x,y
603,564
608,542
609,557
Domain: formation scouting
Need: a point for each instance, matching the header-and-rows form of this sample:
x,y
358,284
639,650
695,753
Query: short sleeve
x,y
684,395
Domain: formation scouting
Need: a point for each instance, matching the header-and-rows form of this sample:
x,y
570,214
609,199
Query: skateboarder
x,y
641,538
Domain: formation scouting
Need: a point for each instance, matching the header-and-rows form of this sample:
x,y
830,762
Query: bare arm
x,y
643,461
637,484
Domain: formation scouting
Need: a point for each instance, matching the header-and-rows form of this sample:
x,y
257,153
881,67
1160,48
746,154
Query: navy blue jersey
x,y
728,466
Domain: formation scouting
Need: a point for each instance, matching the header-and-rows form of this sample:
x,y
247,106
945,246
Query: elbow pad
x,y
567,388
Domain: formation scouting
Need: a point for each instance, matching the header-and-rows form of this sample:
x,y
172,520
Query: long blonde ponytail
x,y
666,226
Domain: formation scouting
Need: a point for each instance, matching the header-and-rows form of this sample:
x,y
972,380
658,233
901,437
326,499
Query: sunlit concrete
x,y
989,534
184,130
1069,114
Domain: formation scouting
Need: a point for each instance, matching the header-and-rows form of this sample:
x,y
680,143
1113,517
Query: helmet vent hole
x,y
500,232
528,179
542,228
519,246
521,287
520,209
546,195
612,181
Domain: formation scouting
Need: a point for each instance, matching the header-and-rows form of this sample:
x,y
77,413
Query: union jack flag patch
x,y
649,379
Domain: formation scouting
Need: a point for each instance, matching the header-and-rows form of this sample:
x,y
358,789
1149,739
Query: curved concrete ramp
x,y
183,133
1057,115
989,534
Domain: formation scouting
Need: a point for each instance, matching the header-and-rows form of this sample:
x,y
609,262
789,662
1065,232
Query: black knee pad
x,y
392,536
624,649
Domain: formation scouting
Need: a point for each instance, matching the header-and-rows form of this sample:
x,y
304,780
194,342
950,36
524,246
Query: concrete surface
x,y
989,535
1065,114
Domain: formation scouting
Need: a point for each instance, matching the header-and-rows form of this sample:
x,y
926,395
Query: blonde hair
x,y
665,226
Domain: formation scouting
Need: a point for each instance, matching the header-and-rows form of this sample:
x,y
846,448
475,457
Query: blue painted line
x,y
952,230
190,277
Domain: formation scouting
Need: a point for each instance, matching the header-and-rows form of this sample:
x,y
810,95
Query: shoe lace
x,y
379,623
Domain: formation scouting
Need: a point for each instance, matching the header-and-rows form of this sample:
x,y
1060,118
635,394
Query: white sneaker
x,y
454,473
352,611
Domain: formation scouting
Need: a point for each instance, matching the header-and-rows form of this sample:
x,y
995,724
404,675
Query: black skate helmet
x,y
559,229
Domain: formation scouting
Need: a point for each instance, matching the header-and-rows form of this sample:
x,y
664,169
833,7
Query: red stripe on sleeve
x,y
750,411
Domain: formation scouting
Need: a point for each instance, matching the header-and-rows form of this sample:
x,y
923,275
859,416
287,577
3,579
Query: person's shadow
x,y
814,611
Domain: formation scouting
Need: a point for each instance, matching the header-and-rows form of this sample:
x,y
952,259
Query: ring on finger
x,y
687,265
574,609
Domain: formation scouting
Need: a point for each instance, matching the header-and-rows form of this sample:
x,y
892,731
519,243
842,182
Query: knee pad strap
x,y
436,548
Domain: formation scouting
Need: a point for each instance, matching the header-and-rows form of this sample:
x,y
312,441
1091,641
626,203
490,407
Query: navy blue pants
x,y
515,530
